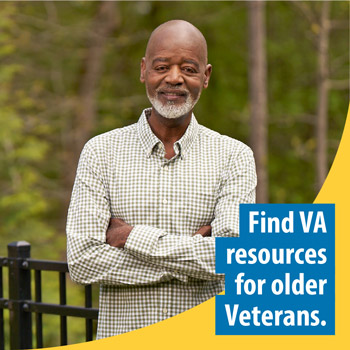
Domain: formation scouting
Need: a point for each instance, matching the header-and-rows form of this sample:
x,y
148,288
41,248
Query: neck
x,y
168,130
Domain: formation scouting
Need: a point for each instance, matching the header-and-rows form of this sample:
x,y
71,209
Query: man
x,y
149,199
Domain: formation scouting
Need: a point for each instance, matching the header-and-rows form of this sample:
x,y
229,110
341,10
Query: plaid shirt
x,y
163,269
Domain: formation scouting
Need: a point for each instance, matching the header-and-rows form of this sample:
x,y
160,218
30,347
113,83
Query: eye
x,y
189,69
161,68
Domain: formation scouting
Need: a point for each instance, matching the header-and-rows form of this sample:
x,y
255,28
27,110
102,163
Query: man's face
x,y
175,72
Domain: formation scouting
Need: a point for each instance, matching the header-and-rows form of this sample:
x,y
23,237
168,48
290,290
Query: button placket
x,y
164,199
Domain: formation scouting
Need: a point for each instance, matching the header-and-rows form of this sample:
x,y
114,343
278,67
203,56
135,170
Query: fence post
x,y
19,291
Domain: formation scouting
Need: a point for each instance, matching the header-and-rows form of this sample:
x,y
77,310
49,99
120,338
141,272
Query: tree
x,y
106,20
258,95
321,24
322,99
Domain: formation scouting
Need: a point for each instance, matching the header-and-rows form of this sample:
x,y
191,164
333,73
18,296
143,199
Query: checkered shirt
x,y
164,269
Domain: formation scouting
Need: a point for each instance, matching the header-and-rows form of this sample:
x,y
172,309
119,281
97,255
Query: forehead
x,y
175,42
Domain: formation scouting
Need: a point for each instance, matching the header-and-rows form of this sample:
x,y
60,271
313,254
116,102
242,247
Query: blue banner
x,y
280,272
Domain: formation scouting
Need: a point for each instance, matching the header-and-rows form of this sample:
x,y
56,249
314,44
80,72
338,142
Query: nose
x,y
174,76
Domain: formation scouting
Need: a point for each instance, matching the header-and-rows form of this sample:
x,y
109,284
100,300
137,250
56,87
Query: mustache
x,y
173,89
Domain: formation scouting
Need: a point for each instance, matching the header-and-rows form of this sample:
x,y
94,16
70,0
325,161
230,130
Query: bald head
x,y
179,33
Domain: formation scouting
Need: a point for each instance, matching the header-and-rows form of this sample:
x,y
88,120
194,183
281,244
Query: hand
x,y
117,233
205,231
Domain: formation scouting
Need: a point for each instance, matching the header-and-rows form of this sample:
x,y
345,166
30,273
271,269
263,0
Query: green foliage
x,y
43,50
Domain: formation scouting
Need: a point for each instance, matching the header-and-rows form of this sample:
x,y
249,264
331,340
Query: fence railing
x,y
21,305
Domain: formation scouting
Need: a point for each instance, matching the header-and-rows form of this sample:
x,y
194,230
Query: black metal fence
x,y
21,305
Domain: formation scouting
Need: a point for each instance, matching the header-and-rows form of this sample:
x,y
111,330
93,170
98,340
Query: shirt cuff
x,y
143,239
142,242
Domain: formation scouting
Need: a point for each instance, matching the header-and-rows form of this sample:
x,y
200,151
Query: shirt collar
x,y
149,140
145,133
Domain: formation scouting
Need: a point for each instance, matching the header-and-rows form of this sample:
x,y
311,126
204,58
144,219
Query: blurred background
x,y
70,71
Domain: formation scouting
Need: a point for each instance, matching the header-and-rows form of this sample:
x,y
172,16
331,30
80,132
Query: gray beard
x,y
170,110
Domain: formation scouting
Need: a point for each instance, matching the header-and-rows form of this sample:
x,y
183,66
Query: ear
x,y
143,69
207,75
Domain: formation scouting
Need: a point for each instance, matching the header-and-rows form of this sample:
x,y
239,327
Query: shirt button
x,y
165,311
165,201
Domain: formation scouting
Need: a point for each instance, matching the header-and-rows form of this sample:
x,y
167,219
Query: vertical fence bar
x,y
88,304
38,316
19,291
2,330
63,301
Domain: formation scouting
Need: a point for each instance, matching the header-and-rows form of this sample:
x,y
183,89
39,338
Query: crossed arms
x,y
119,231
